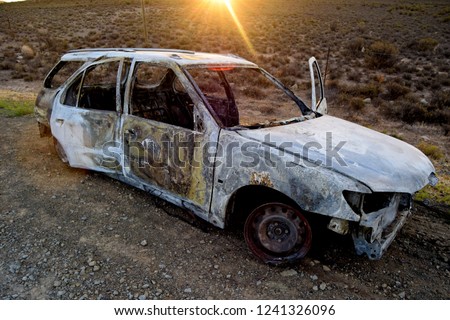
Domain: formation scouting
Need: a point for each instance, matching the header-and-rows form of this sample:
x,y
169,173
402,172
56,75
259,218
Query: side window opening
x,y
72,93
98,90
61,72
157,94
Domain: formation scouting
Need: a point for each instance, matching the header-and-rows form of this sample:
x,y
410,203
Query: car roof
x,y
180,57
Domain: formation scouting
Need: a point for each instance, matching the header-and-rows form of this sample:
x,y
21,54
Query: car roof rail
x,y
131,50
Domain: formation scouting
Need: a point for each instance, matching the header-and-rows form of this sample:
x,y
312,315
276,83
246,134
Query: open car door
x,y
318,100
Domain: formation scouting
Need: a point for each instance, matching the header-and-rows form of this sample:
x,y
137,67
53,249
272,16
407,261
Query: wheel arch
x,y
247,198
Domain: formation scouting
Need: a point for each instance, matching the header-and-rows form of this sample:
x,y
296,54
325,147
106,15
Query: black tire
x,y
277,234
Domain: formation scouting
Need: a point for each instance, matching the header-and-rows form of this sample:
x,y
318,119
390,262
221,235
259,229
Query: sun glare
x,y
229,6
227,2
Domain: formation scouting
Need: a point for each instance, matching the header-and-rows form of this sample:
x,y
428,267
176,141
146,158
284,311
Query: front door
x,y
165,136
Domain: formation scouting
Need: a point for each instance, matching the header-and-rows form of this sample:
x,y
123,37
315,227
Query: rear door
x,y
86,117
52,84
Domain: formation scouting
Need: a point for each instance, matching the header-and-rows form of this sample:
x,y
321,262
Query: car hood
x,y
382,163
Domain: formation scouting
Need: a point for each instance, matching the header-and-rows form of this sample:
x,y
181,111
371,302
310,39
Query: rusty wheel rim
x,y
277,233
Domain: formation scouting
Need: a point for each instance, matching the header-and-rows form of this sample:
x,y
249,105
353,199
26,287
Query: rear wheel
x,y
277,233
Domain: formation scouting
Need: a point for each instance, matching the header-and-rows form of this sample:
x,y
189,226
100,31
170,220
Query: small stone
x,y
258,283
60,293
56,283
402,295
96,268
367,101
326,268
115,292
144,243
188,290
315,288
145,286
92,263
424,101
27,51
323,286
142,297
122,280
314,277
288,273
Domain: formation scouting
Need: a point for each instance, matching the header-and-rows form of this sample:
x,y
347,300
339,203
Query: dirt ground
x,y
73,234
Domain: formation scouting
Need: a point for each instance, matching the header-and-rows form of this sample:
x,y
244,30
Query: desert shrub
x,y
407,76
395,90
441,100
357,104
430,150
438,111
354,76
355,47
370,90
254,92
6,65
424,44
334,26
381,54
409,110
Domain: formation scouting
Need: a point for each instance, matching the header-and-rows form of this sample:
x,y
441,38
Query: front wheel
x,y
277,233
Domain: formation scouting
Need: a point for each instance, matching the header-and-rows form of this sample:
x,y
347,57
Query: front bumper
x,y
374,249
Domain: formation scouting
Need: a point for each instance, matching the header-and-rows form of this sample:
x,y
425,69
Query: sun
x,y
227,2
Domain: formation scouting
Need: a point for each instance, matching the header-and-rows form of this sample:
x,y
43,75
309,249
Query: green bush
x,y
381,54
16,108
430,150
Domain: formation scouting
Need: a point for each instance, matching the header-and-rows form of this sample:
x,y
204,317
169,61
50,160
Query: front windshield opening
x,y
245,97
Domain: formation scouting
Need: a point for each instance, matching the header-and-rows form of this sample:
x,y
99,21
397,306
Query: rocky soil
x,y
73,234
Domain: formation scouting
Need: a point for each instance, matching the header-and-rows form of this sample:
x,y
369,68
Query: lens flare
x,y
239,26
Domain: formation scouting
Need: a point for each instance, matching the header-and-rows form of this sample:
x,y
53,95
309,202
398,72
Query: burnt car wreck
x,y
219,136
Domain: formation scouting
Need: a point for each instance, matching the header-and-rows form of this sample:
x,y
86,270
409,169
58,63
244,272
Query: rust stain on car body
x,y
261,178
